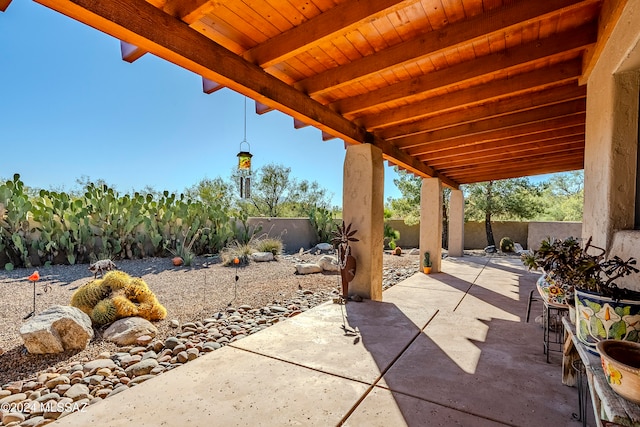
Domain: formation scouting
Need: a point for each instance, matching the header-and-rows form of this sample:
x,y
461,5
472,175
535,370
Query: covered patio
x,y
446,349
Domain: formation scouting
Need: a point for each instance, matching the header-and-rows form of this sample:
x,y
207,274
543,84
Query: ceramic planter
x,y
553,293
621,366
427,270
600,318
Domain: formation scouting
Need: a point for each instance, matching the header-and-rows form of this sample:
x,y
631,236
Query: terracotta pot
x,y
427,270
601,318
177,261
621,366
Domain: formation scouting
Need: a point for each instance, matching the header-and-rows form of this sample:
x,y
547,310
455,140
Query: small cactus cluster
x,y
115,296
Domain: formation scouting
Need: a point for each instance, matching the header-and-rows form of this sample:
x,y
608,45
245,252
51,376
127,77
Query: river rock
x,y
57,329
141,368
127,331
77,392
98,364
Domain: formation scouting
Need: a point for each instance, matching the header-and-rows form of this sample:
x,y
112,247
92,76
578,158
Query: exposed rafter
x,y
466,91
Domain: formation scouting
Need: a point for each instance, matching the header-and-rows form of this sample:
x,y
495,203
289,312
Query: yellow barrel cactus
x,y
115,296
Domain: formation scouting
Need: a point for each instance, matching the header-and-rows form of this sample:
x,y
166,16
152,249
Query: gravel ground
x,y
189,294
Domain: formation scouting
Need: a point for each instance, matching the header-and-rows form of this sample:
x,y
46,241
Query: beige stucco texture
x,y
363,208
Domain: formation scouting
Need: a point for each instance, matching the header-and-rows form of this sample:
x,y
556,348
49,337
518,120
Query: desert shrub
x,y
234,250
269,244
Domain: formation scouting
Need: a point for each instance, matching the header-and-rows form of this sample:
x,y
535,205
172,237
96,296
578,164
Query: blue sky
x,y
70,107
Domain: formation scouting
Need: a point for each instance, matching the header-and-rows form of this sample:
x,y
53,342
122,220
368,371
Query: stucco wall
x,y
475,237
611,133
538,231
296,233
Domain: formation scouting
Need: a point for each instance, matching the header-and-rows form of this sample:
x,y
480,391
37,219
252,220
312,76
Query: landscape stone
x,y
126,331
262,256
77,392
12,417
329,263
57,329
99,363
308,268
141,368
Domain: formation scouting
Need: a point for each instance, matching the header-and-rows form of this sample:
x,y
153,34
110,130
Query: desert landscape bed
x,y
190,295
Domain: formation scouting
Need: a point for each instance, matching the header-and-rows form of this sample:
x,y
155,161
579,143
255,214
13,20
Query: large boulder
x,y
329,263
126,331
57,329
262,256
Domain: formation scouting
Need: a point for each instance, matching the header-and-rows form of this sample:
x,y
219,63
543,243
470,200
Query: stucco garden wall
x,y
538,231
525,233
296,233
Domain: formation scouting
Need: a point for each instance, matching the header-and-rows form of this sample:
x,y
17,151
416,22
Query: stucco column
x,y
431,221
363,207
456,223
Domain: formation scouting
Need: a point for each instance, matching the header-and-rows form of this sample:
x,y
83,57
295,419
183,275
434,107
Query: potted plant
x,y
603,310
426,264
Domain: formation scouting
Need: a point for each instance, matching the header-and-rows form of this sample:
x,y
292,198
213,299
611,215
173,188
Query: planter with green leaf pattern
x,y
599,318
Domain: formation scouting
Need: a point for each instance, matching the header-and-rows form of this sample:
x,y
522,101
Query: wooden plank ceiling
x,y
466,90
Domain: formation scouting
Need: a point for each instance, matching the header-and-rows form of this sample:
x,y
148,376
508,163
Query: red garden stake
x,y
33,278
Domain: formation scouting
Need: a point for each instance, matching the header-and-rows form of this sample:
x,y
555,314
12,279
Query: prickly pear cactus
x,y
115,296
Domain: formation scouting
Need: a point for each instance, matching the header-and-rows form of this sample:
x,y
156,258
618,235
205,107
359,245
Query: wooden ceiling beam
x,y
209,86
4,4
494,124
337,20
495,108
501,134
129,52
569,41
528,164
532,170
142,24
610,14
505,149
434,43
557,75
508,154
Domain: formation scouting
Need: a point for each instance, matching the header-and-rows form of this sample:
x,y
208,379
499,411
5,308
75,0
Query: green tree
x,y
506,199
408,206
275,193
212,192
563,195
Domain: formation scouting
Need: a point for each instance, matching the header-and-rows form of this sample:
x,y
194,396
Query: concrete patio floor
x,y
446,349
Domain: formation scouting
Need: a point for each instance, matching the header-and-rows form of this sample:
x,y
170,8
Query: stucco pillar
x,y
363,207
456,223
431,221
611,138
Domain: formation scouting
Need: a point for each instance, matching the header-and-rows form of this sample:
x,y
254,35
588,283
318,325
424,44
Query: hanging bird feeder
x,y
244,167
244,161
